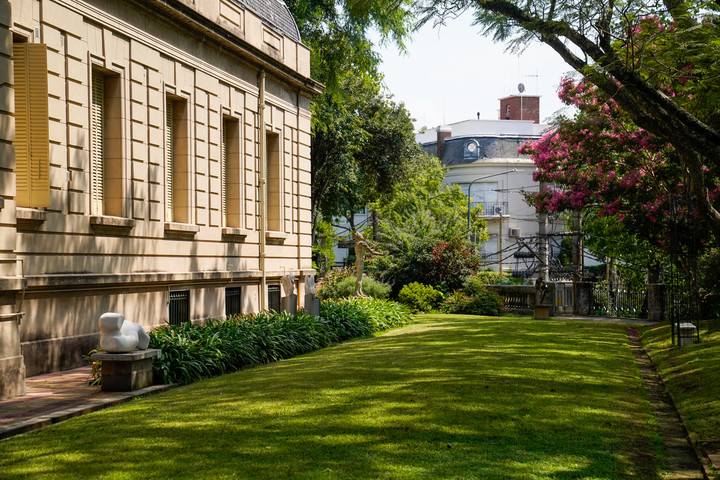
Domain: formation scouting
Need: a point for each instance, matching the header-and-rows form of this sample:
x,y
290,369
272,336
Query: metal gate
x,y
617,300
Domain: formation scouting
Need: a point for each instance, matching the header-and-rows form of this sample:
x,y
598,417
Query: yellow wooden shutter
x,y
32,150
169,160
96,143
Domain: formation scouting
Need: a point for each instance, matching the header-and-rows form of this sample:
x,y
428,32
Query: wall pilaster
x,y
12,367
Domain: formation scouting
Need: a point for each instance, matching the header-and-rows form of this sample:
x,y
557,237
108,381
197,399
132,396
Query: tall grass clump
x,y
359,317
193,351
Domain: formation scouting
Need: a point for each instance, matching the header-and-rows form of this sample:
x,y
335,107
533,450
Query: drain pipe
x,y
263,191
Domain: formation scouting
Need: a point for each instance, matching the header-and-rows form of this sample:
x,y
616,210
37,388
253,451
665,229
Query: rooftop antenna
x,y
537,81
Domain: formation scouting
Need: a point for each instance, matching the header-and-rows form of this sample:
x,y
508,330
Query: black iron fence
x,y
619,301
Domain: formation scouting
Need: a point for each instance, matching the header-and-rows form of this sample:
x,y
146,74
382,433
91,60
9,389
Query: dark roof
x,y
276,14
488,147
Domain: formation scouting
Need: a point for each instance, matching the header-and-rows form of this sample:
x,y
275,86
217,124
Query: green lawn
x,y
692,374
448,397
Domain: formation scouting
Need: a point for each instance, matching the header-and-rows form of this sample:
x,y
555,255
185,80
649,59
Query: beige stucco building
x,y
154,160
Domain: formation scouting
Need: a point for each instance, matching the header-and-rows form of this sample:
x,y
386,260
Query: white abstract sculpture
x,y
118,335
288,284
310,284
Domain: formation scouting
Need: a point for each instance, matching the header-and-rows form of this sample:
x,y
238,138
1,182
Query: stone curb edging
x,y
29,425
700,453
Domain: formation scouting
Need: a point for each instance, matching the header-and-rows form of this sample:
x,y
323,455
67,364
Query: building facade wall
x,y
12,367
78,261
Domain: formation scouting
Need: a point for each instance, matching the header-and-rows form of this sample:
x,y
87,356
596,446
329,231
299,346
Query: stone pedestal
x,y
686,334
544,301
124,372
289,304
312,305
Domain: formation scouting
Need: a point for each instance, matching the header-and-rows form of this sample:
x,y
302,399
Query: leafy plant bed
x,y
191,351
449,396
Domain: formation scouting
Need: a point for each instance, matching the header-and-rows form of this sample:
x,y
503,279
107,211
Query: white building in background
x,y
482,156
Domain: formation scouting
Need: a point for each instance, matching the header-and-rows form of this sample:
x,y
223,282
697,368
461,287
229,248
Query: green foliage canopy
x,y
424,227
665,78
361,138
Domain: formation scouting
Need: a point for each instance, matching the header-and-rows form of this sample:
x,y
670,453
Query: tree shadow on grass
x,y
458,399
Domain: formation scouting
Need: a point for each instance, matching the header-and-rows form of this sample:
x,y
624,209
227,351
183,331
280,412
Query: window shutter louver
x,y
168,160
96,143
32,150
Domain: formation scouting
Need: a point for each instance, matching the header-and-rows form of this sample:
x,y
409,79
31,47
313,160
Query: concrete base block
x,y
312,305
125,372
541,311
686,334
12,377
289,304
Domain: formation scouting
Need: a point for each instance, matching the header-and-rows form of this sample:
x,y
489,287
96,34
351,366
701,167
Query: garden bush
x,y
341,284
359,317
483,302
193,351
419,297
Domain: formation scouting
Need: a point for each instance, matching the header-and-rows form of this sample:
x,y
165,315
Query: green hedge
x,y
419,297
192,351
482,302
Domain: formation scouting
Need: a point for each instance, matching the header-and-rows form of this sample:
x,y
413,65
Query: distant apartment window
x,y
32,144
233,301
177,161
179,307
106,149
274,297
273,174
232,173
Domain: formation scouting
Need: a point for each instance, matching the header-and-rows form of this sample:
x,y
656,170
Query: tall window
x,y
177,161
232,173
106,148
484,194
32,142
273,174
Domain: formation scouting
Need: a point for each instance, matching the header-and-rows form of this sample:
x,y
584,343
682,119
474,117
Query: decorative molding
x,y
232,234
108,225
29,219
181,230
276,238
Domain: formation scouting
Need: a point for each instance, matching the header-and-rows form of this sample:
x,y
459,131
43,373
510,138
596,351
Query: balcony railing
x,y
491,209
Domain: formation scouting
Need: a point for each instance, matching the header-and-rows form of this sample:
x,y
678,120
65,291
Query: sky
x,y
451,72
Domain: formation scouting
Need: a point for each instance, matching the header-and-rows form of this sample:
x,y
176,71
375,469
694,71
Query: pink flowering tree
x,y
656,59
601,162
